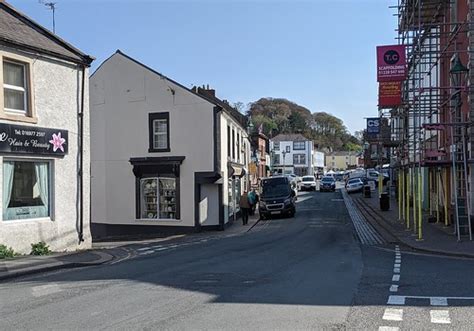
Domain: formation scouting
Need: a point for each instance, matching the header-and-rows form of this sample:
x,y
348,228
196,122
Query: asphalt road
x,y
309,272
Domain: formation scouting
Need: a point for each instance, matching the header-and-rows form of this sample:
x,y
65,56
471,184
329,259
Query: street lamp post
x,y
458,72
284,153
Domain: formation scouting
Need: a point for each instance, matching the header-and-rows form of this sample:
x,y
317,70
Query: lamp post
x,y
458,72
284,153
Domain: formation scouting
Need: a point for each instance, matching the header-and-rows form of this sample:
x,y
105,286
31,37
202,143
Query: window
x,y
26,189
15,87
238,147
299,159
158,198
276,159
228,141
276,146
159,131
233,144
287,149
299,145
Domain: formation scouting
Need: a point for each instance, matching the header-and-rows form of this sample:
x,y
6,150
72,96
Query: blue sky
x,y
318,53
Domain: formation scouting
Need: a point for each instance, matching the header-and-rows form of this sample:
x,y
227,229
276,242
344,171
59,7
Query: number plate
x,y
275,212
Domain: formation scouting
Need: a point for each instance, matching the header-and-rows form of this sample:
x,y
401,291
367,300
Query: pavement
x,y
103,252
436,238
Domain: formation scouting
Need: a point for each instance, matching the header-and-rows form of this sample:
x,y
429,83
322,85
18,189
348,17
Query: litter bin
x,y
384,201
366,191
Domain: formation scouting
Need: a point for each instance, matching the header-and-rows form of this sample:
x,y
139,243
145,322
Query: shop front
x,y
236,185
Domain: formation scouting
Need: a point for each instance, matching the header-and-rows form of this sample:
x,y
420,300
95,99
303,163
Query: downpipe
x,y
80,173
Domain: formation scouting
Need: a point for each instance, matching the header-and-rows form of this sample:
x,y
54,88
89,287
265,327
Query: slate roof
x,y
289,137
16,29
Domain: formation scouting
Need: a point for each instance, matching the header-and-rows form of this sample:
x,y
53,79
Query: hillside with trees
x,y
277,115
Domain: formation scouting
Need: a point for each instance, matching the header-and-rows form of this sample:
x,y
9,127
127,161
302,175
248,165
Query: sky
x,y
317,53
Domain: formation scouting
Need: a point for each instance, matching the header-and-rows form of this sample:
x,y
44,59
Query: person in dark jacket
x,y
244,207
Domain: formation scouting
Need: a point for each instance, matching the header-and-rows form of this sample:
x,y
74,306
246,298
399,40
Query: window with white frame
x,y
276,146
159,132
298,145
299,159
15,87
26,189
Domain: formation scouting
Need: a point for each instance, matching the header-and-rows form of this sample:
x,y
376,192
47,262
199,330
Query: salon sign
x,y
33,140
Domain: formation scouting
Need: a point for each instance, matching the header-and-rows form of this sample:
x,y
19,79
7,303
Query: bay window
x,y
26,189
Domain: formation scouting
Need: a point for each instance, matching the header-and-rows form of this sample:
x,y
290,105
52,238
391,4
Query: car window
x,y
327,180
356,180
308,179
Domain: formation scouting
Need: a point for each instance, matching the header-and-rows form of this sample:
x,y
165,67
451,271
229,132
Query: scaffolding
x,y
430,127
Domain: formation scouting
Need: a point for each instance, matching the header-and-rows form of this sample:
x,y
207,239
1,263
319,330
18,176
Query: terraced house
x,y
44,137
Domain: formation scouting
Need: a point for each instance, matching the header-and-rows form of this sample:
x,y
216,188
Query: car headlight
x,y
288,201
263,204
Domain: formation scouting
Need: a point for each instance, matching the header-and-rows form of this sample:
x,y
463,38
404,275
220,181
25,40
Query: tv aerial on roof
x,y
51,6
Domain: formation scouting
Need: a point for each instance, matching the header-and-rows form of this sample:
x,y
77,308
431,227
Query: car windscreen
x,y
354,181
308,179
275,188
327,180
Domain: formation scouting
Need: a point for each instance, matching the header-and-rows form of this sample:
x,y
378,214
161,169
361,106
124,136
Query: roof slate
x,y
20,30
289,137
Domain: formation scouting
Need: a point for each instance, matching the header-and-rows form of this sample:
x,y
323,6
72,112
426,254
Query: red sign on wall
x,y
390,94
391,63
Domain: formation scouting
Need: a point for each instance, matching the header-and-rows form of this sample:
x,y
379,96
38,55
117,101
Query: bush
x,y
40,249
7,252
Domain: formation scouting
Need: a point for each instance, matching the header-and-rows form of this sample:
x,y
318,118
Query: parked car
x,y
276,197
354,185
339,177
308,183
327,184
374,176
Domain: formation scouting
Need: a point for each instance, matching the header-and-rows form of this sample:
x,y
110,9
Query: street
x,y
310,272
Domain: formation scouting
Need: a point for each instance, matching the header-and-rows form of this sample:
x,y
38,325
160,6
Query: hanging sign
x,y
33,140
391,63
390,94
373,125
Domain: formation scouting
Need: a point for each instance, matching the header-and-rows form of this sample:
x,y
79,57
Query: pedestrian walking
x,y
252,201
244,207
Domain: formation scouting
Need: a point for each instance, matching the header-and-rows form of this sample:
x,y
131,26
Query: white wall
x,y
123,93
56,88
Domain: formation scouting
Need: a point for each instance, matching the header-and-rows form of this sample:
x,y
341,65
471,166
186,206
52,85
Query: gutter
x,y
80,173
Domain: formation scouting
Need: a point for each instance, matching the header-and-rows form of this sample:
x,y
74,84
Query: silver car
x,y
354,185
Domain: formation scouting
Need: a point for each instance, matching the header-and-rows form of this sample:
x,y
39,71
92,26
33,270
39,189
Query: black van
x,y
276,197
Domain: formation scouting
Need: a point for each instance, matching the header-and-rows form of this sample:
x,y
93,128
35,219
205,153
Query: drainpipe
x,y
80,173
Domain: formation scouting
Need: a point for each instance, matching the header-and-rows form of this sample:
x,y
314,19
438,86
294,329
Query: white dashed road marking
x,y
396,278
438,301
392,314
394,288
396,300
389,328
440,316
396,270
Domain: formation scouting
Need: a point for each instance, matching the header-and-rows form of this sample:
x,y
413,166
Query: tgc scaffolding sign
x,y
391,63
373,125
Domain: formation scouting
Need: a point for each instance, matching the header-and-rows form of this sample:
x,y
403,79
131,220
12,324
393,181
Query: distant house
x,y
292,154
342,160
259,167
164,157
44,137
318,162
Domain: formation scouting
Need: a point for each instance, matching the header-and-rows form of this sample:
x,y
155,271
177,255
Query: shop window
x,y
157,187
15,87
158,198
26,190
159,132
